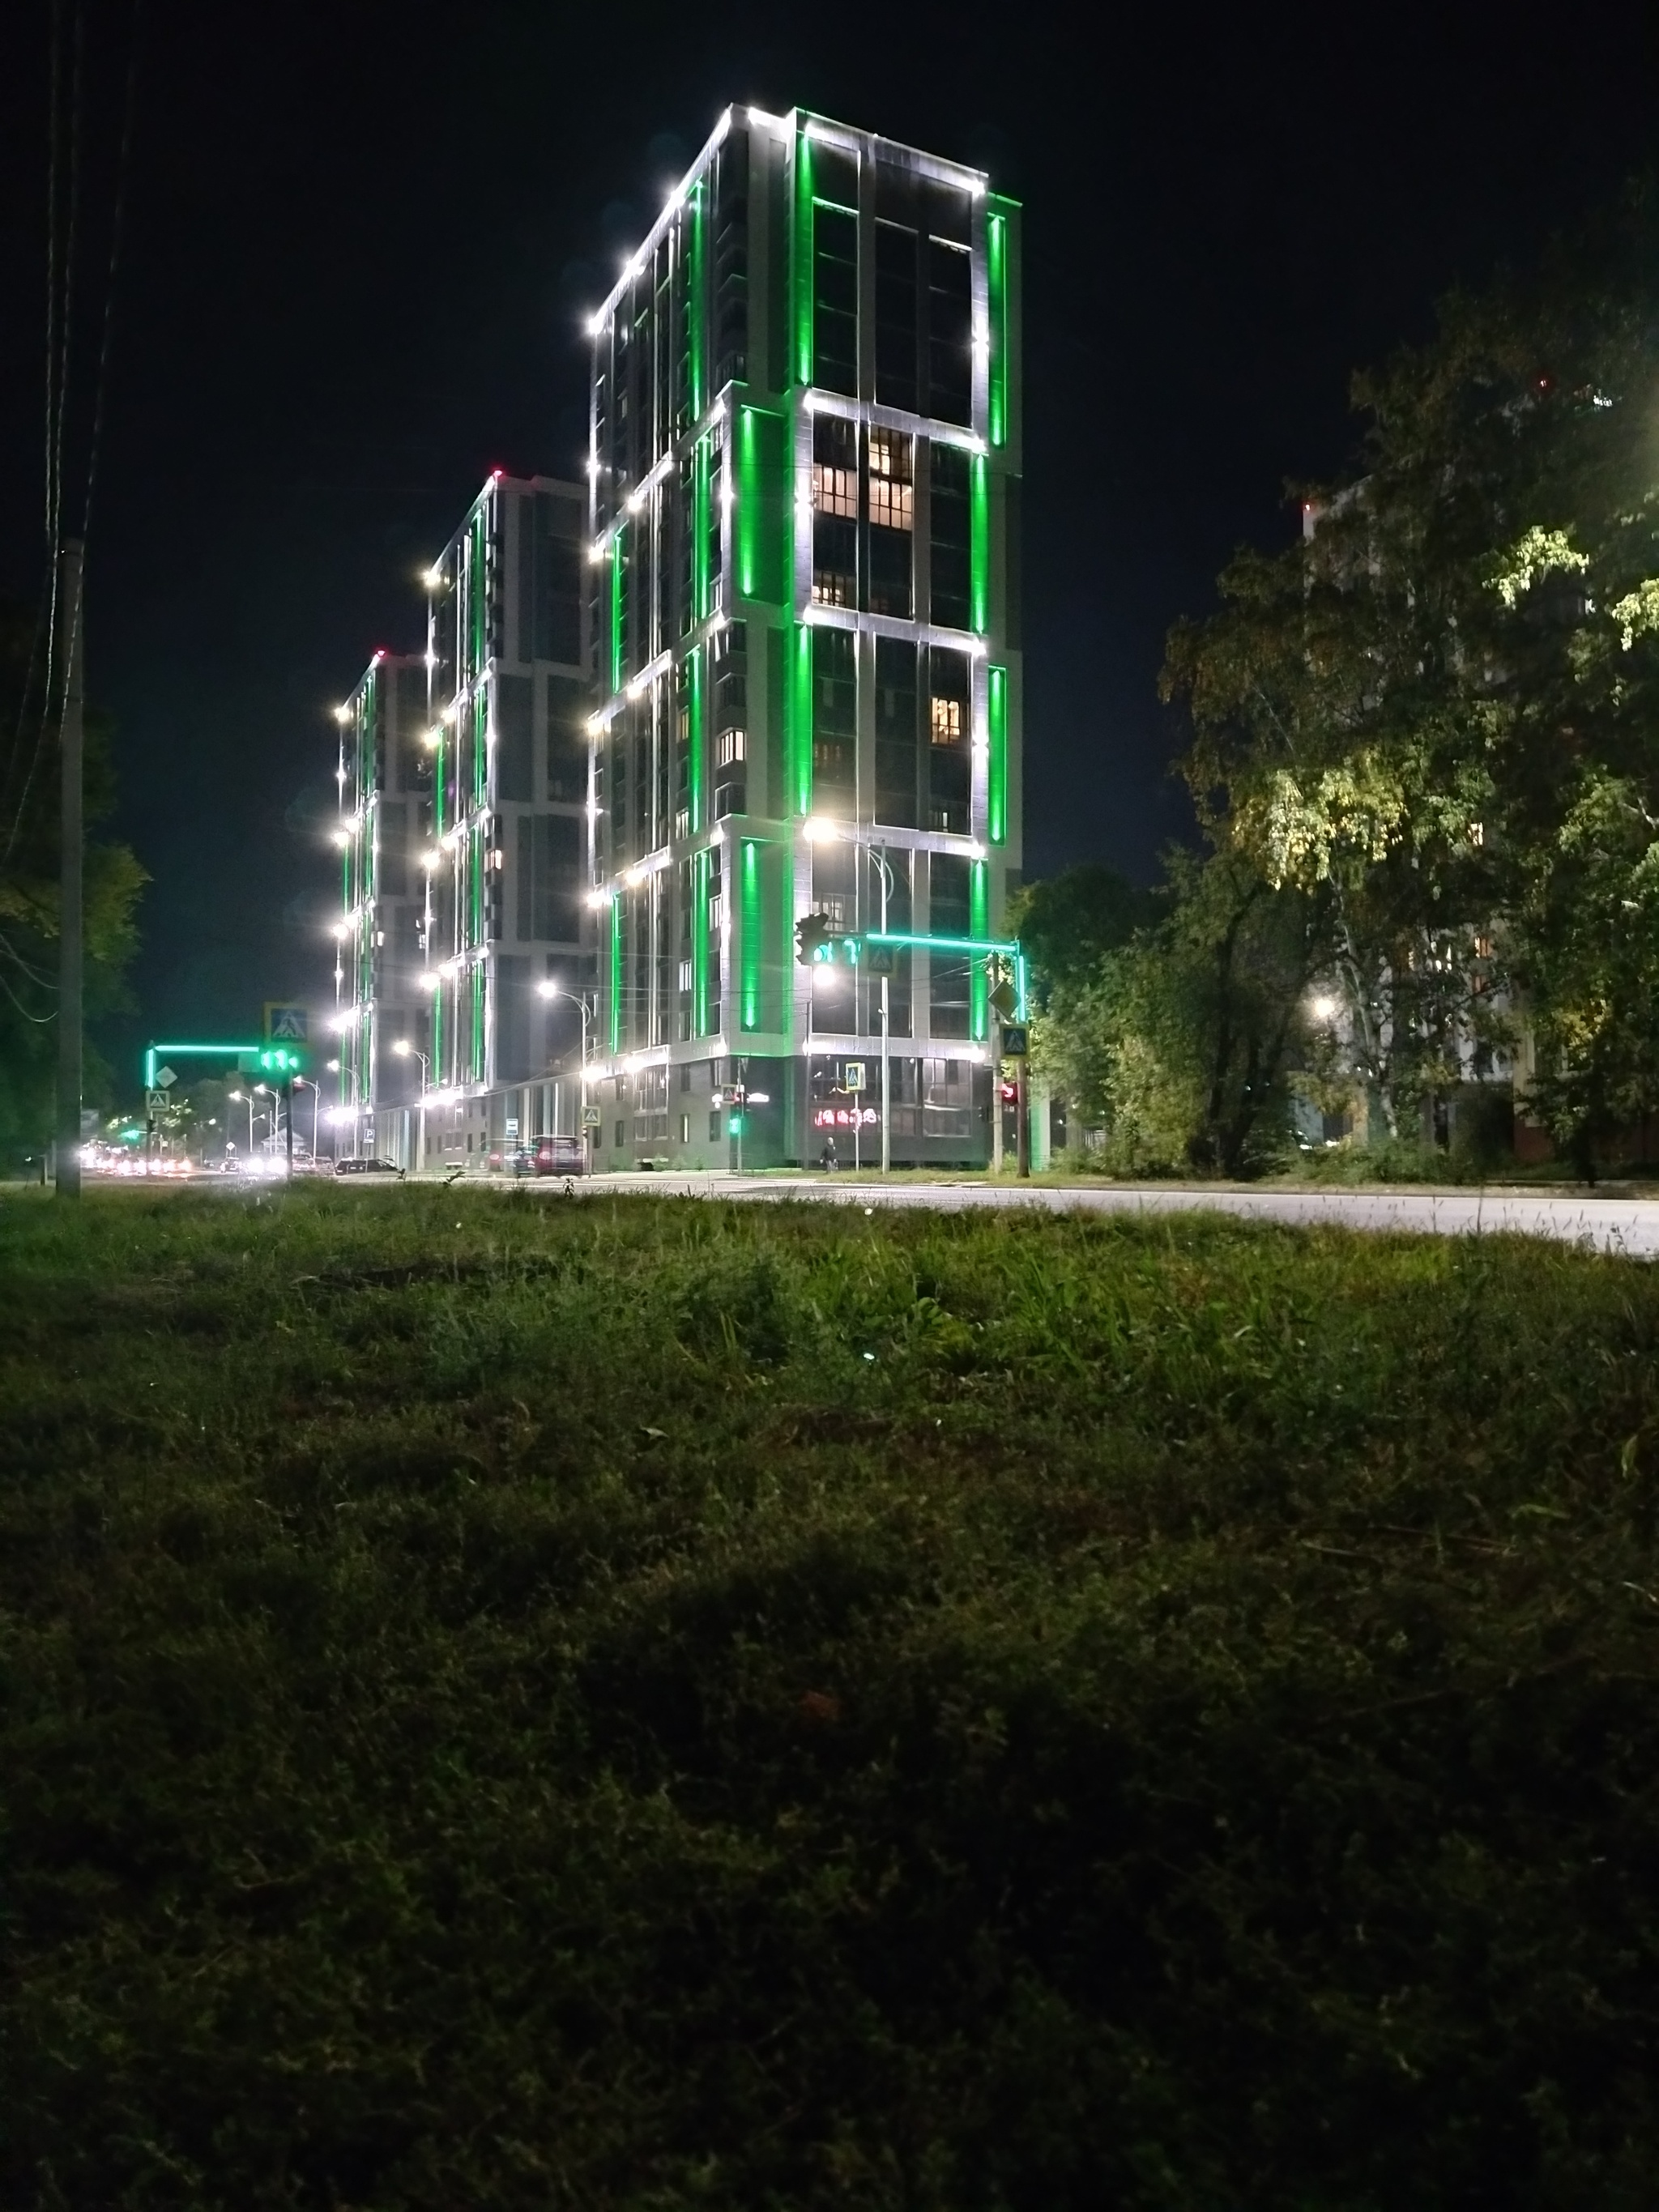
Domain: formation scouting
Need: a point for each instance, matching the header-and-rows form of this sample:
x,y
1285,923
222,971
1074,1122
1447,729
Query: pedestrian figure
x,y
827,1157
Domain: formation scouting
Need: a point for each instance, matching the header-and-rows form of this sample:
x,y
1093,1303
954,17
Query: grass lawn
x,y
649,1704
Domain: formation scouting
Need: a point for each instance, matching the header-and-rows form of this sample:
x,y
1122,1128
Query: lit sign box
x,y
844,1117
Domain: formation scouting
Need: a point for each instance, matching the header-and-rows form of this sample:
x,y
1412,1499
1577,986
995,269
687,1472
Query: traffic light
x,y
281,1060
813,934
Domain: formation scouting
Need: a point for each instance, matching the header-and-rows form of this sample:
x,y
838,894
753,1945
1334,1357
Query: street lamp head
x,y
403,1048
819,830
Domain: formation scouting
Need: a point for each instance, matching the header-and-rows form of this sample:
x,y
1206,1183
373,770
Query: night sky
x,y
362,238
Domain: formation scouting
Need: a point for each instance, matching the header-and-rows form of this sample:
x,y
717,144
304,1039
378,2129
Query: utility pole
x,y
1022,1120
71,870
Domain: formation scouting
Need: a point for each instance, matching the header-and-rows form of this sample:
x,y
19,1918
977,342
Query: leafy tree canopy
x,y
29,906
1437,711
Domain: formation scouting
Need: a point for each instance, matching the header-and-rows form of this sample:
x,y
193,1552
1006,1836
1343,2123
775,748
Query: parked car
x,y
367,1167
564,1155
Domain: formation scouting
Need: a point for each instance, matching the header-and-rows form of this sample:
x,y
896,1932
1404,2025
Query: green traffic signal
x,y
813,934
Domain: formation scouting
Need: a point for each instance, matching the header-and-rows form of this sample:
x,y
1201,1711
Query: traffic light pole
x,y
288,1100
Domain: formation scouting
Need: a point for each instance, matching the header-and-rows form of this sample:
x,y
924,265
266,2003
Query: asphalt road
x,y
1628,1225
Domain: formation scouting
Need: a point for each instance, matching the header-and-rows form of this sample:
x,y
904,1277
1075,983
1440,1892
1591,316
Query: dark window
x,y
950,538
550,878
394,848
834,175
895,316
515,761
835,300
732,260
567,739
895,732
949,332
513,1005
558,580
834,719
949,911
946,211
730,736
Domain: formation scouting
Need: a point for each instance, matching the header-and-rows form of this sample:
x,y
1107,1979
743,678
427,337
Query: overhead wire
x,y
60,317
118,223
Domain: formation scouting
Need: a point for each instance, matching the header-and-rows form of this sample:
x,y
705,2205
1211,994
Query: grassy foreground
x,y
637,1704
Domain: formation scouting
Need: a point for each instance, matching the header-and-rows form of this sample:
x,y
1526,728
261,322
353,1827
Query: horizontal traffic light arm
x,y
1007,947
155,1053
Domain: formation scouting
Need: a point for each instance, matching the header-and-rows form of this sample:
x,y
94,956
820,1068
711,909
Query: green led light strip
x,y
748,502
801,272
801,721
996,256
979,525
996,781
617,610
615,970
700,529
701,1024
697,319
979,887
694,734
750,950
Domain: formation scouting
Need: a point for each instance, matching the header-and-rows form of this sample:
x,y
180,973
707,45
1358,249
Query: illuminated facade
x,y
804,603
464,936
507,852
384,778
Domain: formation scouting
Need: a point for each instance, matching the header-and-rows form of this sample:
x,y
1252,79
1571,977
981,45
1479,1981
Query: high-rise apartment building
x,y
805,610
384,779
465,972
509,934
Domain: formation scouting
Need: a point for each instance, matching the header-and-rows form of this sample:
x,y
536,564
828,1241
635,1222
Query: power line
x,y
123,162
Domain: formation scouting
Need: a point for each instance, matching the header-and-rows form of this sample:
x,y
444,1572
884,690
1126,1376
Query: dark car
x,y
565,1156
367,1167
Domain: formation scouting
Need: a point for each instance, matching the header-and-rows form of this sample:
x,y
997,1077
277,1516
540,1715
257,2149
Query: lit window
x,y
728,747
892,495
685,974
945,726
835,491
832,589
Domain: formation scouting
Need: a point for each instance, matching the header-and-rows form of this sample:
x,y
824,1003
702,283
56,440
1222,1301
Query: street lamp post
x,y
243,1098
551,990
404,1050
881,861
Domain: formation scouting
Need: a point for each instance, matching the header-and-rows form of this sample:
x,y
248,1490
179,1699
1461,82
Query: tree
x,y
1066,923
1436,710
29,906
1177,1043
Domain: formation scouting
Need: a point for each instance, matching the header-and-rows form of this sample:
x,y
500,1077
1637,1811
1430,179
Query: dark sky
x,y
361,237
